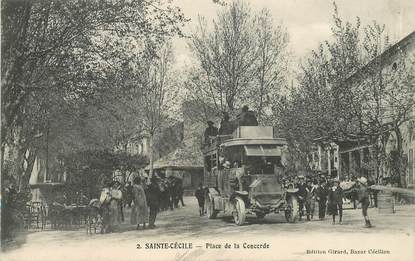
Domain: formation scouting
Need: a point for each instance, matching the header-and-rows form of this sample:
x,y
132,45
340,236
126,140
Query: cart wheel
x,y
292,211
210,209
260,215
239,211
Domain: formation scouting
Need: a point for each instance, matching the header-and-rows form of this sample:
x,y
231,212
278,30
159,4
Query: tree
x,y
270,73
347,92
88,169
242,55
156,92
319,108
53,66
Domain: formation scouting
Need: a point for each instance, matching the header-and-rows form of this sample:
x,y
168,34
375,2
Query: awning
x,y
262,150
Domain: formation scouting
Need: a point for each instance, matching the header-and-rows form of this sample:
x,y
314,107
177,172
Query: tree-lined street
x,y
113,107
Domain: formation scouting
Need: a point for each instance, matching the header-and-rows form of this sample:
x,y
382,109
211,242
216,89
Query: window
x,y
262,150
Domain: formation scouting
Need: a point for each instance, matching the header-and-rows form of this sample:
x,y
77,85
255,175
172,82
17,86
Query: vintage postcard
x,y
207,130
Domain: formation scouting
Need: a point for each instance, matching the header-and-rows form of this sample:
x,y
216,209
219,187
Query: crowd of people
x,y
144,198
328,195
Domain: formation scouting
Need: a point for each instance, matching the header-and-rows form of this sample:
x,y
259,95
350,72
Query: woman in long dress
x,y
105,199
139,212
114,207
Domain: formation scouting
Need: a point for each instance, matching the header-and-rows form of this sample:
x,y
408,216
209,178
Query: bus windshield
x,y
261,164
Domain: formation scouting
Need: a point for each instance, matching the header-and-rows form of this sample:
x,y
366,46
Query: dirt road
x,y
182,235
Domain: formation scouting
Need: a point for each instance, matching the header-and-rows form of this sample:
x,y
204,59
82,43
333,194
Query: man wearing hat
x,y
210,131
335,201
247,117
321,195
117,191
200,196
153,200
302,194
226,127
310,199
363,197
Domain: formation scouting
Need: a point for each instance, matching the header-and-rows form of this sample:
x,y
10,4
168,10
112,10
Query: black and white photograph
x,y
207,130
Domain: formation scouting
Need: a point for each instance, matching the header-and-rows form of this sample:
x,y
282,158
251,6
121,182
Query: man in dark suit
x,y
310,199
226,127
210,131
321,194
302,194
153,200
335,205
247,117
200,196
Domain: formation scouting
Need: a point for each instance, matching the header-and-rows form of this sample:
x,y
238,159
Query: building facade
x,y
356,157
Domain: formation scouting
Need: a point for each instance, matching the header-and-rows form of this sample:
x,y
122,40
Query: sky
x,y
308,21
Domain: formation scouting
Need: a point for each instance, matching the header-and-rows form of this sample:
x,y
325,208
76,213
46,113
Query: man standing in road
x,y
200,196
336,201
153,200
180,192
310,199
302,194
363,197
128,192
321,194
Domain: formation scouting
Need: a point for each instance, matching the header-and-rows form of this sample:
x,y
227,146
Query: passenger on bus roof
x,y
211,130
247,117
226,126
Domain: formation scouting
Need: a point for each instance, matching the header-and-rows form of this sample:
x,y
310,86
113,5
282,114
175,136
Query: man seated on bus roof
x,y
226,126
247,117
210,131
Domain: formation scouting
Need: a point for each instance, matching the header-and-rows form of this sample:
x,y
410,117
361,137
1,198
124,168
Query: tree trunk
x,y
151,155
30,160
3,148
400,164
17,157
